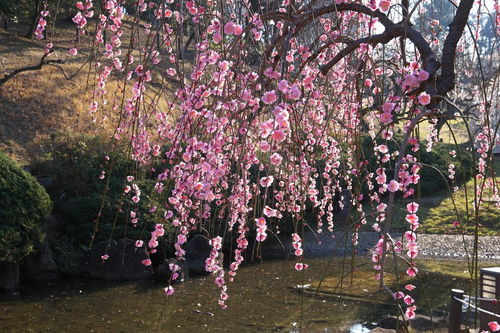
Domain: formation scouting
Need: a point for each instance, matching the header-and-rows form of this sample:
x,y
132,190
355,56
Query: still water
x,y
261,299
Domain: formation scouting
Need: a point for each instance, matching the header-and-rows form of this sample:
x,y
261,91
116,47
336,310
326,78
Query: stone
x,y
9,277
123,264
382,330
51,223
163,272
197,251
46,182
392,322
40,266
425,323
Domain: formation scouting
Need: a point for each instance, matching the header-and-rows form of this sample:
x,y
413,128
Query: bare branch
x,y
457,26
382,38
42,63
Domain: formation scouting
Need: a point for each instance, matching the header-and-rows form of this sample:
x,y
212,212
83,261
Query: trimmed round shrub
x,y
24,205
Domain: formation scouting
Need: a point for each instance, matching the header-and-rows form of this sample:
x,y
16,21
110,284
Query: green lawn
x,y
437,213
446,135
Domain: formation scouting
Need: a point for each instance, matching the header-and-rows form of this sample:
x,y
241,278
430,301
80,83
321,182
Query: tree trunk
x,y
34,19
188,42
54,21
5,21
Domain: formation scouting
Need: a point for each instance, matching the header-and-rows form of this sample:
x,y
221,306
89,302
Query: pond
x,y
263,298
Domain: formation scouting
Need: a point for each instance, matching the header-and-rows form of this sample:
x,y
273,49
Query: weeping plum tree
x,y
265,118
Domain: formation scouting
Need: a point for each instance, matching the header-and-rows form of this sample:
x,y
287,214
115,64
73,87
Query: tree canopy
x,y
268,104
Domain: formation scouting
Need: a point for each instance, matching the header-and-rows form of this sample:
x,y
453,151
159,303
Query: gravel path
x,y
430,246
452,246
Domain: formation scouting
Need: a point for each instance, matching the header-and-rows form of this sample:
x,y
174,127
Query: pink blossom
x,y
412,271
266,181
265,146
386,118
410,81
393,186
153,242
383,149
276,159
423,75
232,28
301,266
295,92
408,300
398,295
217,37
410,287
224,65
412,218
181,238
494,326
269,212
139,243
77,18
105,257
388,107
73,51
261,222
384,5
412,207
278,135
146,262
283,86
269,97
410,236
260,237
410,312
169,290
424,99
380,179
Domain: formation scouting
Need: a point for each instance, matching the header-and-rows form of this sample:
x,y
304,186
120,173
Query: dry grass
x,y
37,103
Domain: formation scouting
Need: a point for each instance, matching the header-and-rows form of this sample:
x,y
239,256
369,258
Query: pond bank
x,y
262,298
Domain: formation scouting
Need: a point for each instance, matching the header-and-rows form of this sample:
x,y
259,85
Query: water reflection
x,y
263,298
359,328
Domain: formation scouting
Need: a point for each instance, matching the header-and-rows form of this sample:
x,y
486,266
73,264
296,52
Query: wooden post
x,y
455,311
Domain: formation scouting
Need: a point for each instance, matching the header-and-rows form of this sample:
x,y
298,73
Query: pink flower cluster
x,y
297,246
261,229
237,142
213,264
40,27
